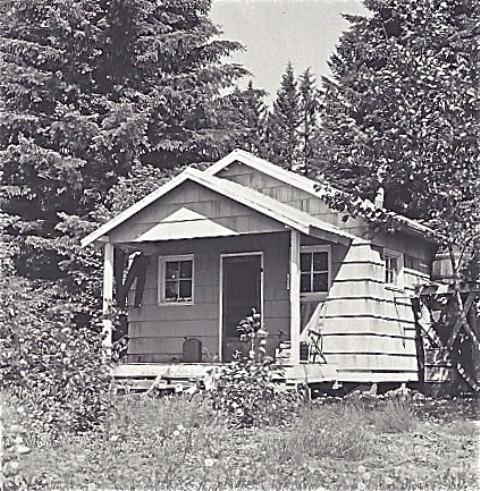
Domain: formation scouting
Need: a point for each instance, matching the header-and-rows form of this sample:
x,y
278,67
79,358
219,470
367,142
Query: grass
x,y
181,443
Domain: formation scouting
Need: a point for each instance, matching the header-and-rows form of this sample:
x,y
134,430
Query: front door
x,y
242,278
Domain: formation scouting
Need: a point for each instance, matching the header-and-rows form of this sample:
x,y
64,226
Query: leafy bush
x,y
50,362
247,390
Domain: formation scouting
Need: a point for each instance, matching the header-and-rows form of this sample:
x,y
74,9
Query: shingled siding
x,y
291,195
156,332
368,327
221,210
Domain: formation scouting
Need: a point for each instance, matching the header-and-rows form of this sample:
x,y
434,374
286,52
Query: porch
x,y
180,376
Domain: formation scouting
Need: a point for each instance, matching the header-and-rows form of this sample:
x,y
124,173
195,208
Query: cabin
x,y
193,258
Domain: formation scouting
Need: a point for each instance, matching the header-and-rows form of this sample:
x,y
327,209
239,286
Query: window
x,y
176,279
314,266
393,262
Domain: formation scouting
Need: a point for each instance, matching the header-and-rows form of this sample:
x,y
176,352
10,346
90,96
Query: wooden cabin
x,y
207,247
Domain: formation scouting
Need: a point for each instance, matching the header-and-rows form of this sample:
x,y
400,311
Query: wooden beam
x,y
459,323
108,275
294,285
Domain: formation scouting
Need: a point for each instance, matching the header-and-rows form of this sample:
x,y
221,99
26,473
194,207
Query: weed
x,y
395,416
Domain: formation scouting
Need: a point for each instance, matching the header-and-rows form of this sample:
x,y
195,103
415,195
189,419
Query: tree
x,y
402,106
309,128
87,88
282,132
248,109
401,113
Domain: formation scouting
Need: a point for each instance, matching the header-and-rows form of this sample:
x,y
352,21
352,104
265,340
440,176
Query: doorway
x,y
241,291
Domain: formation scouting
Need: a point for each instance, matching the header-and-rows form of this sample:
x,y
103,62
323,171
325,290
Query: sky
x,y
276,31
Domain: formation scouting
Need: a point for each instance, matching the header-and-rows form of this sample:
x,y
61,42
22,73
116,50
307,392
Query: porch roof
x,y
182,227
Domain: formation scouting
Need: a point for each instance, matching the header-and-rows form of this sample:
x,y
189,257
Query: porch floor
x,y
141,376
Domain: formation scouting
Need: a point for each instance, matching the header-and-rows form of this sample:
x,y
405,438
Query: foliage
x,y
47,359
309,127
401,114
247,390
282,131
400,117
247,108
89,92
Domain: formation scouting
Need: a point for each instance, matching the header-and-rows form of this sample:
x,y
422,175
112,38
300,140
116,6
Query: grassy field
x,y
180,443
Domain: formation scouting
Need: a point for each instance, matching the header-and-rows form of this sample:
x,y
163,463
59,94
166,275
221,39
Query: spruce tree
x,y
282,132
247,108
87,89
309,128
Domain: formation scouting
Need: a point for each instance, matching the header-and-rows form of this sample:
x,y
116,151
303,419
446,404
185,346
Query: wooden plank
x,y
168,345
368,344
459,322
295,316
174,312
364,376
374,362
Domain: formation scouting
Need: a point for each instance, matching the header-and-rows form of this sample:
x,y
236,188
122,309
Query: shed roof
x,y
283,213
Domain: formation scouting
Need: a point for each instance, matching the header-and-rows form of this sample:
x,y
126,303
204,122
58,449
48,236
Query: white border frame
x,y
220,310
161,278
318,248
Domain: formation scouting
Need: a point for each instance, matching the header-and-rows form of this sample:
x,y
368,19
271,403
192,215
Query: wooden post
x,y
295,297
108,272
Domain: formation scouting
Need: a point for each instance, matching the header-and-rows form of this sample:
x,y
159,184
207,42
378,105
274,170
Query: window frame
x,y
313,249
162,269
399,277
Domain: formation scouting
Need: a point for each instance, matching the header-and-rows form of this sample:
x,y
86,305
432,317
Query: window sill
x,y
174,304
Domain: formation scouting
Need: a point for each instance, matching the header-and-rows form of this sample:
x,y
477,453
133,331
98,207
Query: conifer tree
x,y
401,110
309,128
87,89
247,108
282,132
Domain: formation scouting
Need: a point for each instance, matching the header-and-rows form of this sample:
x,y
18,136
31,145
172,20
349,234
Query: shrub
x,y
49,362
247,390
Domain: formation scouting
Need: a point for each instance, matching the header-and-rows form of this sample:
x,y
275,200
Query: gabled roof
x,y
315,188
254,200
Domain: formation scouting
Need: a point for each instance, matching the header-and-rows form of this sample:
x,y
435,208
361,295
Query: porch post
x,y
295,296
108,272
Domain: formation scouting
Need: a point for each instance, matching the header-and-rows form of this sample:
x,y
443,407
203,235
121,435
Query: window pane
x,y
185,289
305,261
171,290
171,270
320,282
305,283
186,269
320,261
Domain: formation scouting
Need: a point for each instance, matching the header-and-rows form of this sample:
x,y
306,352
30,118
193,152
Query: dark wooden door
x,y
242,277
